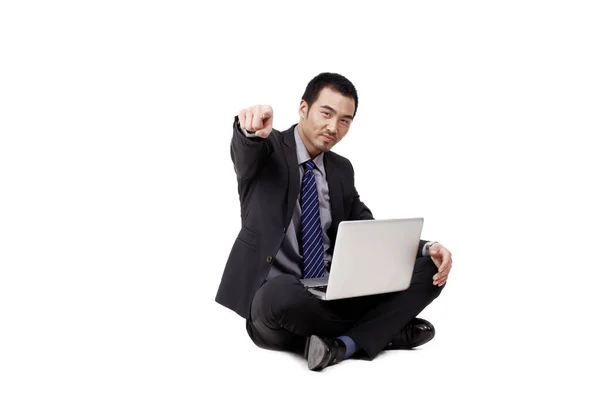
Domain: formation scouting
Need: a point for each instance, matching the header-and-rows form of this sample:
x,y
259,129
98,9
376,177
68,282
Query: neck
x,y
312,151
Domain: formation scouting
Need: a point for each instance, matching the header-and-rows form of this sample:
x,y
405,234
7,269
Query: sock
x,y
351,346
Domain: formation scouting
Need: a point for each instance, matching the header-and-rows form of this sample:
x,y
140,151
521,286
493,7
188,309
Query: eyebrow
x,y
335,112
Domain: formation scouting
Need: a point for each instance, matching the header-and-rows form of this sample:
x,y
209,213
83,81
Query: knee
x,y
423,274
277,297
424,270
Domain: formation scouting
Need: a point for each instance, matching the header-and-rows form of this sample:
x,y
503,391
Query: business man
x,y
294,191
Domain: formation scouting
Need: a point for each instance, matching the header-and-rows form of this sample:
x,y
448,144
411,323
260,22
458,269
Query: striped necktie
x,y
312,233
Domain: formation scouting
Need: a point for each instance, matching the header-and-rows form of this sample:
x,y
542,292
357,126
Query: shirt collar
x,y
302,153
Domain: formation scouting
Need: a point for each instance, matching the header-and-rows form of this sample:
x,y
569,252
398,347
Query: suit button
x,y
269,259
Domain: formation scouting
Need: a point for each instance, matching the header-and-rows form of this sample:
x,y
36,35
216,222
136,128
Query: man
x,y
294,191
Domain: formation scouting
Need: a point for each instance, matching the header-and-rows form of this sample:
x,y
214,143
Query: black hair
x,y
335,82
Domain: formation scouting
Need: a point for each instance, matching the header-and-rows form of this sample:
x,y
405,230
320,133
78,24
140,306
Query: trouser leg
x,y
284,313
389,313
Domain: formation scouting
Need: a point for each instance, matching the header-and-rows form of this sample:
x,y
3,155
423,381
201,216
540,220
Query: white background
x,y
118,202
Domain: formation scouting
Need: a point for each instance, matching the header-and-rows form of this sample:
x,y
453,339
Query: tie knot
x,y
309,165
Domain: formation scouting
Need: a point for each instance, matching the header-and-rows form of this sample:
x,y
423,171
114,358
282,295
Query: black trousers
x,y
284,313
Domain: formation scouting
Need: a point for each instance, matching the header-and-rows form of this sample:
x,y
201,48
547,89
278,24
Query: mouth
x,y
328,139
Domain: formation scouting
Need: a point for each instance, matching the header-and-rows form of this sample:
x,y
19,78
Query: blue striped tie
x,y
312,234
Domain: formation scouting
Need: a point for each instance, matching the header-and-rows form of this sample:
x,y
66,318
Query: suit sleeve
x,y
248,153
360,211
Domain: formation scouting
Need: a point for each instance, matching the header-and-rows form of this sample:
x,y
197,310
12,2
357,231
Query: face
x,y
327,121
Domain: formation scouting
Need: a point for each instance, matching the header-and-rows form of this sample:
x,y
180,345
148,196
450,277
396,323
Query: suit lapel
x,y
289,150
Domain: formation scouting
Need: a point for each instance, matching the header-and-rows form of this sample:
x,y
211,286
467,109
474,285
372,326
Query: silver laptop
x,y
370,257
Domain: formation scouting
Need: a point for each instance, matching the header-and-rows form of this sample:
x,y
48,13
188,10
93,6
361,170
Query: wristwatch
x,y
427,247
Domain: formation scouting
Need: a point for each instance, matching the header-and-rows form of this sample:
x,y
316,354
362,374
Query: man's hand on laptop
x,y
442,258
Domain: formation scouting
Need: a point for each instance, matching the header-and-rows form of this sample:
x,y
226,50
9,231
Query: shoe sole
x,y
316,350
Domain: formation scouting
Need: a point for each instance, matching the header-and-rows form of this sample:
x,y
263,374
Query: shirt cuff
x,y
250,135
425,251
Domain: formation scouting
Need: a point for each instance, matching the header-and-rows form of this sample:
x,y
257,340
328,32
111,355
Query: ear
x,y
303,110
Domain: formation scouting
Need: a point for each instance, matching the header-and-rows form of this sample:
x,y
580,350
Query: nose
x,y
332,127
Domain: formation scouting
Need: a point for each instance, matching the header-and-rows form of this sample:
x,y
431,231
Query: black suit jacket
x,y
268,188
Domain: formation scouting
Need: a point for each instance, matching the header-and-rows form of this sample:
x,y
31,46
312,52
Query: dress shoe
x,y
322,352
416,333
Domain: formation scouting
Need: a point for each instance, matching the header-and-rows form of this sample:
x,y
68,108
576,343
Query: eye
x,y
345,122
325,113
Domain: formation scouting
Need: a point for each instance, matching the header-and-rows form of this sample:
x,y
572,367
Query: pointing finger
x,y
267,113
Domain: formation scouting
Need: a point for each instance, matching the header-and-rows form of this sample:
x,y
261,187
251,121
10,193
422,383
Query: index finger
x,y
267,113
443,266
